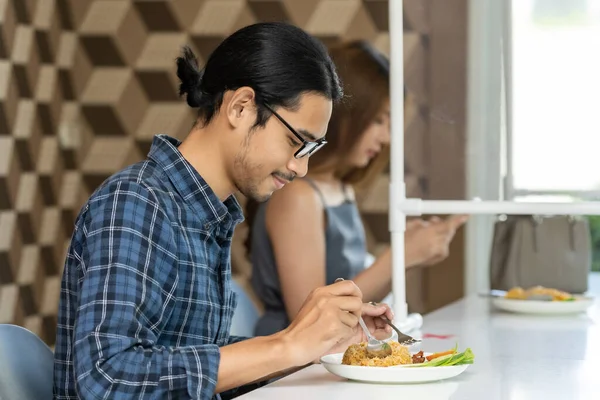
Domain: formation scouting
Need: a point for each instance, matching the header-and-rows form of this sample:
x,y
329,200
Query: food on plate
x,y
356,354
440,354
444,358
418,358
538,293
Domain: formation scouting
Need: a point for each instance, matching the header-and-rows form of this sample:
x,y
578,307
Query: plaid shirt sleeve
x,y
236,339
128,287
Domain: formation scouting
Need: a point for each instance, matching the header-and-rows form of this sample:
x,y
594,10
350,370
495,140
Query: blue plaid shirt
x,y
146,298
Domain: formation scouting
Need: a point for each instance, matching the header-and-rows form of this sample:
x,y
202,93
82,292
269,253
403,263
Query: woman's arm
x,y
426,243
376,281
296,227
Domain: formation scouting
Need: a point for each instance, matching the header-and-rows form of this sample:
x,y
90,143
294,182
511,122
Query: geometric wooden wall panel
x,y
85,84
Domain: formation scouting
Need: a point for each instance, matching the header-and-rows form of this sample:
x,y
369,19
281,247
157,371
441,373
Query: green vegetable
x,y
466,357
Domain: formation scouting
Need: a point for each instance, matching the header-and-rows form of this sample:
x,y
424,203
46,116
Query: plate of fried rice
x,y
399,367
541,300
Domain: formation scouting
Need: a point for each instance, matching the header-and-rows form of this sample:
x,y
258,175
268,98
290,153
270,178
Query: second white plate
x,y
543,307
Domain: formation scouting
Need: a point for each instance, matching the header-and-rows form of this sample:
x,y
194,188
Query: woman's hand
x,y
428,242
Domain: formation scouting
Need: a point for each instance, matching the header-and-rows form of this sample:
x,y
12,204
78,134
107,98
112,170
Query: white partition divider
x,y
400,206
420,207
397,220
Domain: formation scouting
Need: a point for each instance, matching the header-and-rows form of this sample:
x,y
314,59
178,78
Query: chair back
x,y
26,365
246,314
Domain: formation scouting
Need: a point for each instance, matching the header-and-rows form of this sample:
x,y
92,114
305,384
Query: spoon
x,y
375,347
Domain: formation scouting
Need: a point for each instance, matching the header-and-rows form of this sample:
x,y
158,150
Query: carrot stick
x,y
443,353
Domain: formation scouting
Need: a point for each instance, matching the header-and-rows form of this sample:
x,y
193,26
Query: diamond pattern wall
x,y
85,84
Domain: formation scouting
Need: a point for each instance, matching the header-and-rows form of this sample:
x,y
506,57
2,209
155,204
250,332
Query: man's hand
x,y
372,316
329,316
379,329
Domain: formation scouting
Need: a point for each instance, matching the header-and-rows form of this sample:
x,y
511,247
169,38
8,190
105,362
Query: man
x,y
146,302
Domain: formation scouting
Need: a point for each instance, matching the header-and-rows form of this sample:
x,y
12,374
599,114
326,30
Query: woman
x,y
310,232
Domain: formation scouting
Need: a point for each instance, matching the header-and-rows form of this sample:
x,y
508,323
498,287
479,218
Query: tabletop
x,y
517,357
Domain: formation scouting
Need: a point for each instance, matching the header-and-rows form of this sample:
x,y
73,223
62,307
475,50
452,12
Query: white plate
x,y
396,374
543,307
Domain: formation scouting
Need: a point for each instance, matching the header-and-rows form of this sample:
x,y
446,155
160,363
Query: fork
x,y
403,338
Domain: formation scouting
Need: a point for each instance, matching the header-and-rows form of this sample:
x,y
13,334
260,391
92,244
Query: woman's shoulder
x,y
298,194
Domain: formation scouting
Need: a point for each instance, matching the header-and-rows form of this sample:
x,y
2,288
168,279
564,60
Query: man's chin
x,y
258,197
263,198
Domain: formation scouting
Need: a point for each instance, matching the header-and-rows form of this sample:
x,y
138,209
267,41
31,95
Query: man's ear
x,y
240,106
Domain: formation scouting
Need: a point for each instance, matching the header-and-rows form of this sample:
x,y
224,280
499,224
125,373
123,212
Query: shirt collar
x,y
190,184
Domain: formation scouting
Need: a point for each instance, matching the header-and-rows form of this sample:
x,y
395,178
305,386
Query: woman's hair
x,y
277,60
364,73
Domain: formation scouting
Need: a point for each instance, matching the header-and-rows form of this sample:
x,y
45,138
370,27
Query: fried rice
x,y
518,293
356,354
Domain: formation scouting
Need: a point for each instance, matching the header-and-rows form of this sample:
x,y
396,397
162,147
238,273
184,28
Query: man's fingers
x,y
344,288
380,324
349,304
348,319
376,310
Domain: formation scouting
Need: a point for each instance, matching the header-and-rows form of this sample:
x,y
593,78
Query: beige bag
x,y
554,252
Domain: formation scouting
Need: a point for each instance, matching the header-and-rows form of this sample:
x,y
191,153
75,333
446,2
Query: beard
x,y
248,176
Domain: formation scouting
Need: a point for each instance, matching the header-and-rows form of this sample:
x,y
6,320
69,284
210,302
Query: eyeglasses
x,y
307,148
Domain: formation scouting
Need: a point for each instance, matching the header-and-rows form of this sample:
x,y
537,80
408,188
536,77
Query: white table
x,y
516,357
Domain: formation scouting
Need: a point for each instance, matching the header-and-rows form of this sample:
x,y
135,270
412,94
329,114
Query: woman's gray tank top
x,y
346,253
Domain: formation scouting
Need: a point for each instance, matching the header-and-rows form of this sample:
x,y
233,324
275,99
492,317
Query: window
x,y
554,144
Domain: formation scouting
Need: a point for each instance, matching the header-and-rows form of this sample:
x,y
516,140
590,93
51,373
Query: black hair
x,y
277,60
